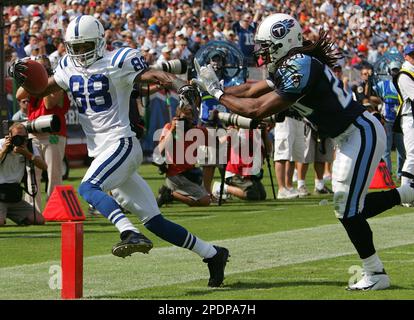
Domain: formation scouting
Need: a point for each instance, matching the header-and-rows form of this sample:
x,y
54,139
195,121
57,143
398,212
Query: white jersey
x,y
102,94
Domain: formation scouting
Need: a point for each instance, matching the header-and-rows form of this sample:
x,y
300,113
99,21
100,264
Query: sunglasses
x,y
24,101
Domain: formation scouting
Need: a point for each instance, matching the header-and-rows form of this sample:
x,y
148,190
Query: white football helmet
x,y
276,35
84,40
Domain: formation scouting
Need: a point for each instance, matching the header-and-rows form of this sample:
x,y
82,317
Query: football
x,y
36,77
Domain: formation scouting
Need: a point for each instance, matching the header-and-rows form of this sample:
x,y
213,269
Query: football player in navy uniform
x,y
300,78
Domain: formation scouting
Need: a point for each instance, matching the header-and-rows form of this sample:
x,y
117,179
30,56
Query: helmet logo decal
x,y
280,29
77,26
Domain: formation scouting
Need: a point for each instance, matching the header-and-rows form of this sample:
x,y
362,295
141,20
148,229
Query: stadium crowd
x,y
363,31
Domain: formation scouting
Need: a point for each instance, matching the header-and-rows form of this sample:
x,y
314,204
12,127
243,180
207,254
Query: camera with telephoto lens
x,y
234,120
48,123
176,66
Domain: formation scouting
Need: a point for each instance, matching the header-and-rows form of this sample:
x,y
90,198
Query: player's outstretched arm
x,y
52,87
256,108
16,71
165,79
249,90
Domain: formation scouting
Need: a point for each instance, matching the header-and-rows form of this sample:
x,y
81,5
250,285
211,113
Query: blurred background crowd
x,y
363,30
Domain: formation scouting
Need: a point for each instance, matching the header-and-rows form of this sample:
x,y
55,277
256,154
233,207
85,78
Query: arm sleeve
x,y
60,75
295,78
128,63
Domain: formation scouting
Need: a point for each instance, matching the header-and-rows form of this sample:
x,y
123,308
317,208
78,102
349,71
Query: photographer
x,y
183,181
50,145
14,156
243,179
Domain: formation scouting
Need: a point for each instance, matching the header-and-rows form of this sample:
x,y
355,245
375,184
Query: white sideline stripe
x,y
108,275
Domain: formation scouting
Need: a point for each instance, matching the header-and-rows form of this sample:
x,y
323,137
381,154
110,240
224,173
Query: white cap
x,y
165,49
178,33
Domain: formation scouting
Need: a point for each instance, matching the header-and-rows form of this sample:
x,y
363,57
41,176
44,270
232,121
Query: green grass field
x,y
293,249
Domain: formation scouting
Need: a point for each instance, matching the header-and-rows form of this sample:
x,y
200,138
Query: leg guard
x,y
377,202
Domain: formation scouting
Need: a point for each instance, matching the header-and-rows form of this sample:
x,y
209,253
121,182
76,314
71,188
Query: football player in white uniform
x,y
101,83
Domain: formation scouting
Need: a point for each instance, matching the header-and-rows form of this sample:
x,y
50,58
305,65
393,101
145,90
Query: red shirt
x,y
174,168
235,164
36,108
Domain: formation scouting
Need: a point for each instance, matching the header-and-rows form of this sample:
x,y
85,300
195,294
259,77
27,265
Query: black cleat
x,y
164,196
216,266
131,242
324,190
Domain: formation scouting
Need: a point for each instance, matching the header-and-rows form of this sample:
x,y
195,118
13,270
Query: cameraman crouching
x,y
14,156
183,181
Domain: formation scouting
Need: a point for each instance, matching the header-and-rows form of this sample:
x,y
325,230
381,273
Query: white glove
x,y
207,80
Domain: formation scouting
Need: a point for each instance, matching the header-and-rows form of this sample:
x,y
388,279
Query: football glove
x,y
16,70
207,80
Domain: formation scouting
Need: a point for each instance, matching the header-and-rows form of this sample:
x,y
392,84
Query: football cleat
x,y
216,266
164,196
131,242
372,281
324,190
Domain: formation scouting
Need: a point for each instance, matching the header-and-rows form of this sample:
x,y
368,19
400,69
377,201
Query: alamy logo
x,y
281,29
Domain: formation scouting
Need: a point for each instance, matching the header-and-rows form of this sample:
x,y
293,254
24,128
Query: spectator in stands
x,y
16,43
245,30
21,114
56,55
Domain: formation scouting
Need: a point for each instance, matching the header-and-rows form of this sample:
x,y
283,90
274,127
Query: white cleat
x,y
372,281
287,194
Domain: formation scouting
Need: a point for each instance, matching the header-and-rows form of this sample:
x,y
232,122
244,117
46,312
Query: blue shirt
x,y
317,94
389,95
246,38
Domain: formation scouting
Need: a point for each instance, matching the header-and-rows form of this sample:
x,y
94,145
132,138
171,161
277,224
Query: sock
x,y
301,183
372,264
179,236
225,188
121,222
106,205
360,234
202,248
319,184
327,179
377,202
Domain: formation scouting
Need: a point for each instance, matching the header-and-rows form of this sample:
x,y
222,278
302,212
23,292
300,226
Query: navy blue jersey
x,y
246,38
316,94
